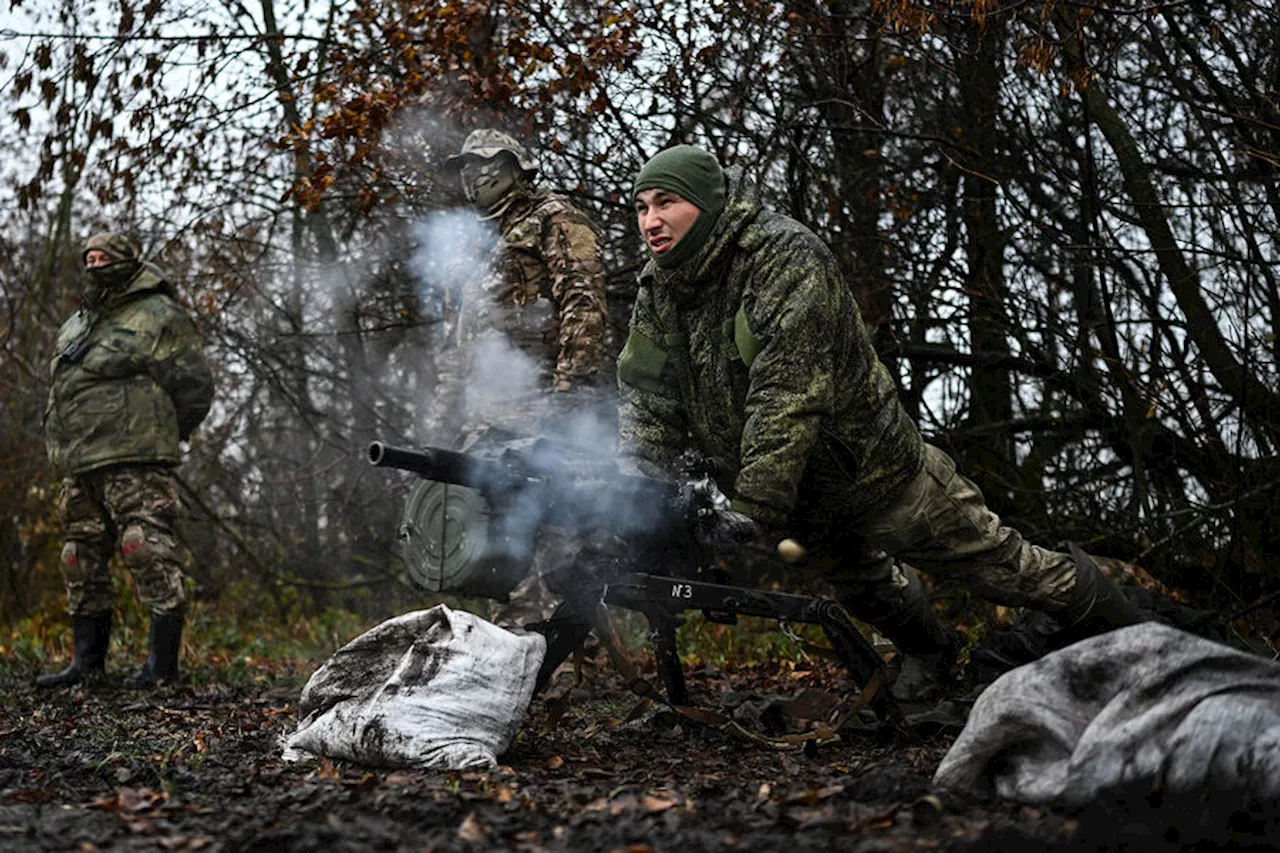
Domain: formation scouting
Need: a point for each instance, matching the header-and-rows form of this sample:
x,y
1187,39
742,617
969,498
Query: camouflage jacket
x,y
129,381
545,290
754,352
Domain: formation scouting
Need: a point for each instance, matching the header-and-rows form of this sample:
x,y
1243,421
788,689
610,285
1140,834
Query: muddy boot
x,y
91,635
928,650
162,657
1097,604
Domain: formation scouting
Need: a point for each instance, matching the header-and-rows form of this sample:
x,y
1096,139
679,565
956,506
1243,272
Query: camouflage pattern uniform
x,y
129,381
540,293
754,352
543,294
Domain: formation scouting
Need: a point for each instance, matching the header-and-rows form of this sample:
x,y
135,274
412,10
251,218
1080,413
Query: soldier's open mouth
x,y
658,245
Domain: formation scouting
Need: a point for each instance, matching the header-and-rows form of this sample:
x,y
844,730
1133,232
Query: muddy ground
x,y
197,767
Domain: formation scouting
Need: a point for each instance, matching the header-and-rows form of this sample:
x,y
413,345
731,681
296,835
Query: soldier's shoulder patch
x,y
580,238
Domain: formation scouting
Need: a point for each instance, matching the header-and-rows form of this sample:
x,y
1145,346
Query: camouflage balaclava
x,y
492,167
695,175
488,183
113,277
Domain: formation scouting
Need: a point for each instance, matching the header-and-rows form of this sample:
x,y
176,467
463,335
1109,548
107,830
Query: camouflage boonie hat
x,y
485,144
117,246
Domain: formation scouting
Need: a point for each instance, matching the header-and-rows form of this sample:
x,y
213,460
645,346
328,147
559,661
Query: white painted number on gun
x,y
681,590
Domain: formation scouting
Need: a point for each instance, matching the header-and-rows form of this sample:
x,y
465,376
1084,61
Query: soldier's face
x,y
96,258
487,182
664,218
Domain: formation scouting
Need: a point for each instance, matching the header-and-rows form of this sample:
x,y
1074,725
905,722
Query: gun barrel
x,y
447,466
598,498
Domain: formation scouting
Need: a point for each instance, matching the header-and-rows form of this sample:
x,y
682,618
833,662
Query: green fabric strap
x,y
641,363
747,343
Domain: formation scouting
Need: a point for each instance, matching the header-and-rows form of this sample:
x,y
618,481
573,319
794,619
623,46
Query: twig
x,y
1204,511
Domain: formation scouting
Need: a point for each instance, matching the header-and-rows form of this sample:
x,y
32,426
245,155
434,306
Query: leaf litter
x,y
198,767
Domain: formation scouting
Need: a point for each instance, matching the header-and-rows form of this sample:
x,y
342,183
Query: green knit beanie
x,y
695,175
691,172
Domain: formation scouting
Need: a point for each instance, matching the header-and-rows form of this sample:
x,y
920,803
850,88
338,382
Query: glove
x,y
716,524
726,529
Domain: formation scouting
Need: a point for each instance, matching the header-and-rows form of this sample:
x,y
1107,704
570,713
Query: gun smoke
x,y
506,393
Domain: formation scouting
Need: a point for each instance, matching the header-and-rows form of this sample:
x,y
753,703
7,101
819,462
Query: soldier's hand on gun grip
x,y
725,529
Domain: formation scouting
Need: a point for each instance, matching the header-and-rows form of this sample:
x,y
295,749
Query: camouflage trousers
x,y
941,524
132,508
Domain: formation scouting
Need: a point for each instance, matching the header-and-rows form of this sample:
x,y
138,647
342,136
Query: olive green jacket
x,y
129,381
754,352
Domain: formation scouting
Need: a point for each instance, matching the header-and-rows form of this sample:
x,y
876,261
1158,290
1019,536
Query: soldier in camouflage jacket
x,y
747,345
536,311
540,293
129,382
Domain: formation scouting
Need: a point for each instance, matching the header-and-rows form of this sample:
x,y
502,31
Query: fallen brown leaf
x,y
815,795
471,830
657,804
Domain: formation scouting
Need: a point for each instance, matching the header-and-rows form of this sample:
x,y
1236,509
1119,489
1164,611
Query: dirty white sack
x,y
433,688
1146,707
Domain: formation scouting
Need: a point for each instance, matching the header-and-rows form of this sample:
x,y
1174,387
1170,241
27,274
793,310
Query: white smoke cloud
x,y
452,247
504,386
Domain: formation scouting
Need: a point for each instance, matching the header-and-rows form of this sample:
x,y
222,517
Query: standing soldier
x,y
536,311
129,383
540,291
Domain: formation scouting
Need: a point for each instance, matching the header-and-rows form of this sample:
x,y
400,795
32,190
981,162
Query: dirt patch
x,y
197,767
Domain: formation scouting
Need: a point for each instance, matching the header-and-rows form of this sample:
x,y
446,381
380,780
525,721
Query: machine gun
x,y
659,522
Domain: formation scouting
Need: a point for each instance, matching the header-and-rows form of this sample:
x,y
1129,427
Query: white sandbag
x,y
432,688
1147,707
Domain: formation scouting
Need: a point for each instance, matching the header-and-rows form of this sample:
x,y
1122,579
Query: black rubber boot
x,y
91,636
162,658
928,650
1097,604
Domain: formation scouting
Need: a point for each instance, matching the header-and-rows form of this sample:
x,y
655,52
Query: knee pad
x,y
79,560
139,549
134,545
70,557
154,562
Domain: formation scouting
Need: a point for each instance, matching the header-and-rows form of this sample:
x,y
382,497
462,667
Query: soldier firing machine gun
x,y
520,485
